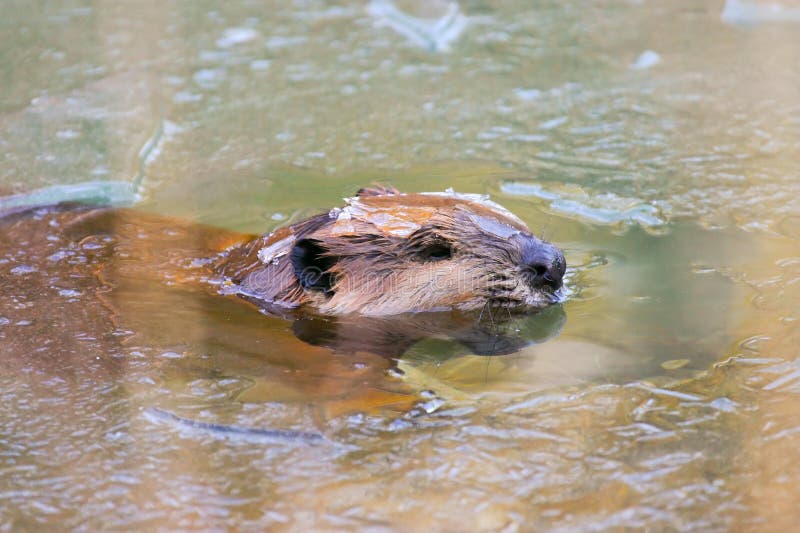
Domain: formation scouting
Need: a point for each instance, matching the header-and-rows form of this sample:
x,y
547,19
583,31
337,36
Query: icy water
x,y
657,142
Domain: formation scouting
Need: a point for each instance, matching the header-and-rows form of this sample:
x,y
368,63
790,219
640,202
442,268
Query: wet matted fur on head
x,y
386,253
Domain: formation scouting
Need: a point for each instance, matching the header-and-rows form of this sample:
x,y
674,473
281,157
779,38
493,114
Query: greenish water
x,y
655,142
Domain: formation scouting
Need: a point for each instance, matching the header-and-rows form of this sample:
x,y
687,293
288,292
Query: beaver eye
x,y
437,252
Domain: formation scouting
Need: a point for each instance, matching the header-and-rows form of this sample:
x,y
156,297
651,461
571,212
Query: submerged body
x,y
95,289
383,255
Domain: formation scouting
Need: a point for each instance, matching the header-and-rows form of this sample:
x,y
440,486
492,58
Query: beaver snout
x,y
542,263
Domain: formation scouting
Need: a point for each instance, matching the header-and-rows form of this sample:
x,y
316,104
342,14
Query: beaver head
x,y
386,253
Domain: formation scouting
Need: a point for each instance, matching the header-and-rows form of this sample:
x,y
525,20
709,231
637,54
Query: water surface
x,y
657,143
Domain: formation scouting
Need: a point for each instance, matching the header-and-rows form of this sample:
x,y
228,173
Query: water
x,y
656,143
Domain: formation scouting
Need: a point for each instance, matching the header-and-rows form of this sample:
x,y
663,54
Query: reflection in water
x,y
394,336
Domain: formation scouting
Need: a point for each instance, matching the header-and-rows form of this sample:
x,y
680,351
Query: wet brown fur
x,y
375,271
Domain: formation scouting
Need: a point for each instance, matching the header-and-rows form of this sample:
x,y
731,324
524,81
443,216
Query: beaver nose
x,y
543,263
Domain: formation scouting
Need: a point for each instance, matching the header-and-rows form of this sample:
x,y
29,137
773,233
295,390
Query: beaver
x,y
382,255
386,253
96,288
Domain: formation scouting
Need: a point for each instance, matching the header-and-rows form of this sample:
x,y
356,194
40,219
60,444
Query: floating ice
x,y
245,434
739,12
67,134
209,78
658,391
527,94
69,293
552,123
152,147
234,36
606,208
646,59
116,193
789,381
435,35
260,64
527,138
280,41
183,97
23,269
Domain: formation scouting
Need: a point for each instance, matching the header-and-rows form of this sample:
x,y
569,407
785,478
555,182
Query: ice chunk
x,y
435,35
754,12
605,208
234,36
646,59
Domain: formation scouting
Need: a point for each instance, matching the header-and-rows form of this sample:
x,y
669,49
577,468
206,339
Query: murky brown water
x,y
655,142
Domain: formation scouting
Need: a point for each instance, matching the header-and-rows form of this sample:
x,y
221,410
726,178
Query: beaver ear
x,y
377,190
312,266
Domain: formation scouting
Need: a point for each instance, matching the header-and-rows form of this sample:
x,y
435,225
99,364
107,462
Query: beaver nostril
x,y
541,275
539,271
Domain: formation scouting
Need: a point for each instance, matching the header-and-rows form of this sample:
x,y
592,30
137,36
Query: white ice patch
x,y
646,59
395,222
480,199
234,36
399,220
495,227
605,208
276,250
755,12
435,35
